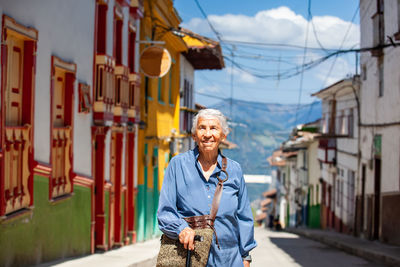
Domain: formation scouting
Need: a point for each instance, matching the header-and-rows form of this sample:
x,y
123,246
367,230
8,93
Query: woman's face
x,y
208,134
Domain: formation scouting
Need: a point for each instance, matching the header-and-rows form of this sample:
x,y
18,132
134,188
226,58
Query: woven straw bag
x,y
173,254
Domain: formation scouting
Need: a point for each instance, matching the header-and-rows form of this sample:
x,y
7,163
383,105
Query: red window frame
x,y
62,183
19,198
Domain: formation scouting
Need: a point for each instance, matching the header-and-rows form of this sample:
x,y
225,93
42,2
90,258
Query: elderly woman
x,y
188,189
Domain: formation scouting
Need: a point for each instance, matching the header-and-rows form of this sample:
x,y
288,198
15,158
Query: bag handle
x,y
218,190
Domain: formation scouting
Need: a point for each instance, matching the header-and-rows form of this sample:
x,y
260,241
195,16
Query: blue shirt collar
x,y
196,154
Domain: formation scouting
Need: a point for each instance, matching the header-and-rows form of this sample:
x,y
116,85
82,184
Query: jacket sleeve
x,y
245,221
169,220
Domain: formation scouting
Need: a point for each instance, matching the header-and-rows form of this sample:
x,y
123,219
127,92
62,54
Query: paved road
x,y
289,250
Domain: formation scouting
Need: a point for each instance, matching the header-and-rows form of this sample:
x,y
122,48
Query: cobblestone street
x,y
286,249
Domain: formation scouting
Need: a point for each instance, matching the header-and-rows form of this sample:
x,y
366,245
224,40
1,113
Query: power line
x,y
240,102
304,59
314,30
274,45
208,21
341,45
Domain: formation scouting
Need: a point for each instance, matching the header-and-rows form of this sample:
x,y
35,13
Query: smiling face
x,y
208,134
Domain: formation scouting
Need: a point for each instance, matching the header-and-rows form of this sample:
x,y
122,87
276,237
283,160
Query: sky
x,y
264,42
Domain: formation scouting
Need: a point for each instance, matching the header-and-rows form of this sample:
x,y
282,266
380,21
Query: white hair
x,y
211,113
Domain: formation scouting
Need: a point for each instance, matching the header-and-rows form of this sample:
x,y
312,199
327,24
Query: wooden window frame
x,y
19,138
118,34
101,27
85,101
131,45
62,136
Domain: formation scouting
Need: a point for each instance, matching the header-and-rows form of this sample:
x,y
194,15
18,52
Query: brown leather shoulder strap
x,y
218,190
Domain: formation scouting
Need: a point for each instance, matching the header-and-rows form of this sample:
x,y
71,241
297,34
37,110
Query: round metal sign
x,y
155,61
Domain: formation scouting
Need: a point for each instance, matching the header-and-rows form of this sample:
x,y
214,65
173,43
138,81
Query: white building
x,y
338,153
378,185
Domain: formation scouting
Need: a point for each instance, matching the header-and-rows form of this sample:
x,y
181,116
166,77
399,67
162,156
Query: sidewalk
x,y
371,250
137,255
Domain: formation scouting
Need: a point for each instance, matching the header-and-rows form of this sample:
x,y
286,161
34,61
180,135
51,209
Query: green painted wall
x,y
314,214
145,219
51,231
147,204
139,216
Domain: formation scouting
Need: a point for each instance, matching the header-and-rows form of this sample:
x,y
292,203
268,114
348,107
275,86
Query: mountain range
x,y
259,128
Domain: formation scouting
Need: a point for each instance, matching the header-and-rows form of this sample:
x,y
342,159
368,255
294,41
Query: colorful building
x,y
337,153
69,123
159,113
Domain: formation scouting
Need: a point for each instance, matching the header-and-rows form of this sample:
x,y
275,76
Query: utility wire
x,y
304,59
336,57
208,21
314,29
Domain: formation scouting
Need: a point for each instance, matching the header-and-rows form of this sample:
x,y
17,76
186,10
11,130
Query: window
x,y
397,35
378,28
101,38
350,193
18,53
186,103
62,94
350,123
170,84
118,25
380,77
131,45
159,90
364,72
339,123
325,123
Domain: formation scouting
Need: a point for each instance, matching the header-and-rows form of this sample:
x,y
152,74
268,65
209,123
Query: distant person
x,y
188,189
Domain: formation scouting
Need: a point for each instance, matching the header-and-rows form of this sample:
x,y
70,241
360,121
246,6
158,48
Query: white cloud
x,y
209,89
240,75
340,70
279,25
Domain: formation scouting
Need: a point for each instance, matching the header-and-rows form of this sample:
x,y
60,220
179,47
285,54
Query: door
x,y
155,189
100,231
377,196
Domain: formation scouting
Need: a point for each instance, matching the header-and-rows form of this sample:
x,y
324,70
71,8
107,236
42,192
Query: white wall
x,y
384,109
66,30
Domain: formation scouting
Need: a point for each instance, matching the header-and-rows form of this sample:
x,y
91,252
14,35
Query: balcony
x,y
17,192
61,176
327,151
134,97
121,94
104,98
137,9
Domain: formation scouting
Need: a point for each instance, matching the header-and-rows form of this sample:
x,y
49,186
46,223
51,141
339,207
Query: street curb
x,y
368,254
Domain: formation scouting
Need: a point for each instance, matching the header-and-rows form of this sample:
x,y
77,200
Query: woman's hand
x,y
246,263
186,237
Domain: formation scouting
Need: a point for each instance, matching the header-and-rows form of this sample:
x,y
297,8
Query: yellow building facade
x,y
159,113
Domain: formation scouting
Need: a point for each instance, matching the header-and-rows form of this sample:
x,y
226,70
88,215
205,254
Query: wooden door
x,y
112,191
100,222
